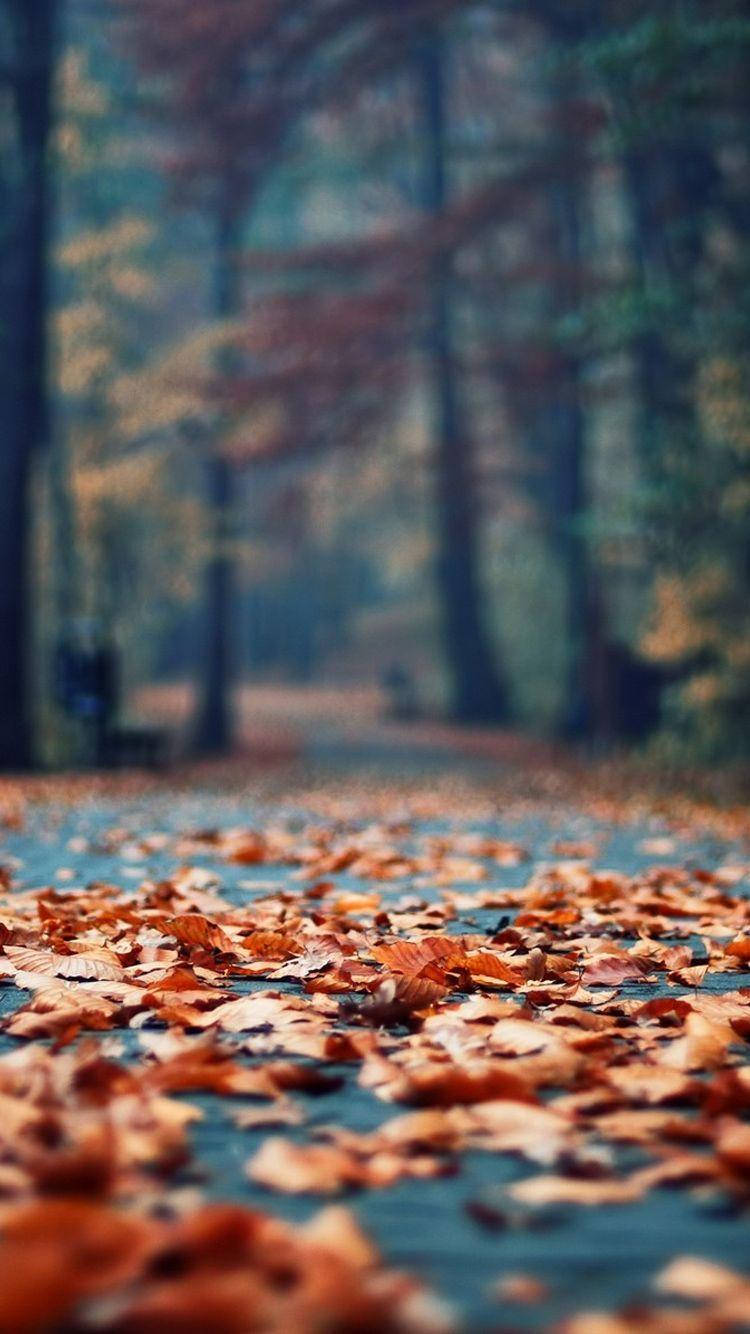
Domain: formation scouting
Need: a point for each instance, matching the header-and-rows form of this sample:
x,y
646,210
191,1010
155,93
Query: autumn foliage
x,y
590,1024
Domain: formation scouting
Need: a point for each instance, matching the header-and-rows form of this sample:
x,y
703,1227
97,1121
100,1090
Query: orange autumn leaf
x,y
94,965
272,945
408,956
195,929
484,966
739,949
611,970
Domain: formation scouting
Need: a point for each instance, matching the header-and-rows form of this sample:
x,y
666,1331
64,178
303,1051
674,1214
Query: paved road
x,y
589,1258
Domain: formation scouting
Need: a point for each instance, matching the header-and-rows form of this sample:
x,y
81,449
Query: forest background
x,y
398,346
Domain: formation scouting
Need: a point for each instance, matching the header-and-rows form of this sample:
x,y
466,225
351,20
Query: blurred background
x,y
373,364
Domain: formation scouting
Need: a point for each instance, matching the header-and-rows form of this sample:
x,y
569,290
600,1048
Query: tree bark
x,y
213,732
214,727
478,690
24,391
590,709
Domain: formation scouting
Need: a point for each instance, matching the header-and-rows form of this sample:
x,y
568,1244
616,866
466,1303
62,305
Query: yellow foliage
x,y
130,282
80,99
703,613
91,247
80,320
131,511
254,433
703,691
724,404
673,632
129,480
707,584
138,489
69,145
83,352
170,393
80,368
78,94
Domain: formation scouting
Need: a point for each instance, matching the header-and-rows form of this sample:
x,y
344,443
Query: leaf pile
x,y
594,1026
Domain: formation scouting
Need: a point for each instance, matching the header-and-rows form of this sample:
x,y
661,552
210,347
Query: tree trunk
x,y
213,733
590,711
214,729
24,391
478,690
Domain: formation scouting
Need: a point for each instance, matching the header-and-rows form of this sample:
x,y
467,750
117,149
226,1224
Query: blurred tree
x,y
213,730
236,78
234,112
27,38
657,102
507,283
677,90
126,534
478,691
544,376
227,72
688,179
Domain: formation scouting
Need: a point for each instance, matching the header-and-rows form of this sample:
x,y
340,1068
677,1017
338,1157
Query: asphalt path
x,y
588,1258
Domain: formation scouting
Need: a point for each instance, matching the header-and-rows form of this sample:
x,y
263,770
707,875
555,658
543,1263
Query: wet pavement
x,y
589,1258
